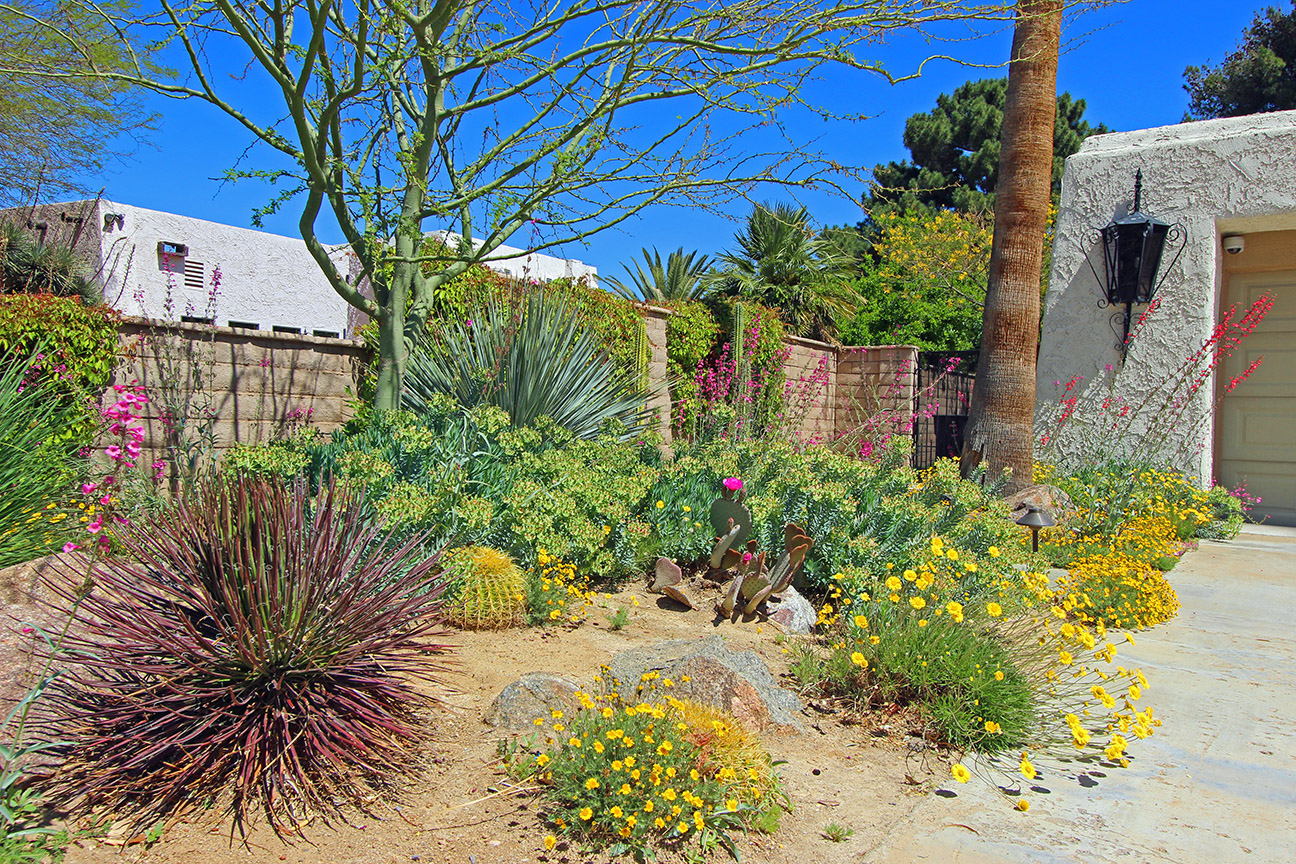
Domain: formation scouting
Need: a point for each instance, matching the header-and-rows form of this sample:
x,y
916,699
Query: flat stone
x,y
792,612
535,694
736,681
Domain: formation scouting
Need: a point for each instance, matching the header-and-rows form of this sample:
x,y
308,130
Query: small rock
x,y
792,612
533,695
1050,499
737,682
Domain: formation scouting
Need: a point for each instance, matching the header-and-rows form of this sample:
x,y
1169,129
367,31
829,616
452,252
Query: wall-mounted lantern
x,y
1132,249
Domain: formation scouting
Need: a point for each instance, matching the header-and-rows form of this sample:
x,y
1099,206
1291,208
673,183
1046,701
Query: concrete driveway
x,y
1217,783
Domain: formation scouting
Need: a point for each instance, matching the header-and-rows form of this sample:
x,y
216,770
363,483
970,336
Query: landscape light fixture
x,y
1034,518
1132,249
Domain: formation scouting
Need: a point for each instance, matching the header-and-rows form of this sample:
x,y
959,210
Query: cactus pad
x,y
722,512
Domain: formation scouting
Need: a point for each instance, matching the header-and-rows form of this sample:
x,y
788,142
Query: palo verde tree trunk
x,y
1000,430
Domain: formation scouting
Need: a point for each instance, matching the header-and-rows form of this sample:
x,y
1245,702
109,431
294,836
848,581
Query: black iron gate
x,y
942,398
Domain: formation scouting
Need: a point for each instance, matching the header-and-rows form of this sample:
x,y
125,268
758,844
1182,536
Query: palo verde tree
x,y
399,117
59,122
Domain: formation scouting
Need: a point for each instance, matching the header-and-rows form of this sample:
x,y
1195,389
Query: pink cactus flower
x,y
733,484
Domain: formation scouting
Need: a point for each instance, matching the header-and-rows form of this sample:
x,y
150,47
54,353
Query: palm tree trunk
x,y
1000,430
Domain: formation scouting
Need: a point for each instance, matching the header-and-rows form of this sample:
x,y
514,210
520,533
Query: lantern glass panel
x,y
1154,239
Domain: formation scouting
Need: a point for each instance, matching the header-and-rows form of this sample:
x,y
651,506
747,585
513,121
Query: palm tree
x,y
780,263
679,279
1000,429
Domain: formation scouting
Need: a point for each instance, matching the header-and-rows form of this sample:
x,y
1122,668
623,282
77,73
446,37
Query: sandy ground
x,y
1215,784
862,773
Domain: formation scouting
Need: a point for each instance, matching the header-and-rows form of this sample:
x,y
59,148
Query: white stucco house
x,y
1231,185
512,261
163,265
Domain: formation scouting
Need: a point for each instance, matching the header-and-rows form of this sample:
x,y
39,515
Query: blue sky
x,y
1126,61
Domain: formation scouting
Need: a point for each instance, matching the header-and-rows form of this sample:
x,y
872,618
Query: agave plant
x,y
680,278
534,359
254,647
37,462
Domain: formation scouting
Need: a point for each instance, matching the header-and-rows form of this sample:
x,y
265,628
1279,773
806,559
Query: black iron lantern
x,y
1132,249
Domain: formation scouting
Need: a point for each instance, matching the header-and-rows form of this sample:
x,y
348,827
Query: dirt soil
x,y
862,772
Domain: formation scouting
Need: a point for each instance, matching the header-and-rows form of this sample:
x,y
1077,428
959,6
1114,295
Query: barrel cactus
x,y
488,587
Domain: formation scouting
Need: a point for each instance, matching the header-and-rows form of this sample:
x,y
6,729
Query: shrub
x,y
690,337
1003,672
256,648
861,515
552,587
905,638
629,777
30,267
73,345
1118,591
577,502
489,590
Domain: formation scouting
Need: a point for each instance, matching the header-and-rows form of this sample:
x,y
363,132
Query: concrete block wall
x,y
811,390
877,386
258,384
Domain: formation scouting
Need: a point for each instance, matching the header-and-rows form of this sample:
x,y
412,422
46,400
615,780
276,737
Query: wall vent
x,y
296,331
243,325
327,334
193,275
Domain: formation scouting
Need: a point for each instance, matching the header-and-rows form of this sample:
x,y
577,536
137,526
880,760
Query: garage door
x,y
1256,423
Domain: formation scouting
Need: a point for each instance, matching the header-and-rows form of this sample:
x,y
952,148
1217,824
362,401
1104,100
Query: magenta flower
x,y
96,526
747,557
69,546
87,488
733,484
113,451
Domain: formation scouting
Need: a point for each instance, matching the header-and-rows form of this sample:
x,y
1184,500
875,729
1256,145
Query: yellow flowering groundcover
x,y
666,772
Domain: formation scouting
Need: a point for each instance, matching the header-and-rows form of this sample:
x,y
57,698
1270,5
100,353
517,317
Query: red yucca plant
x,y
254,647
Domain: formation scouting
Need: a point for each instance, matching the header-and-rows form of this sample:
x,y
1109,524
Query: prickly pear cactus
x,y
729,512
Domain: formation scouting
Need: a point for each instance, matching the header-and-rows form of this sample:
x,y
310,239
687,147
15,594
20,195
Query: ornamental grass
x,y
255,648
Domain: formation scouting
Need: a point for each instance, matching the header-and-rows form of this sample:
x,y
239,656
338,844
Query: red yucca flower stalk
x,y
254,647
